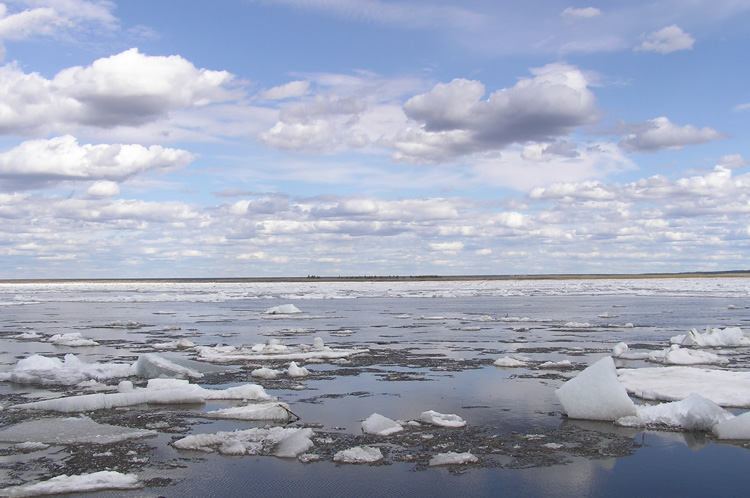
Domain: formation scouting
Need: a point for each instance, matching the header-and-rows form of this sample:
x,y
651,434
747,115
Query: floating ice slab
x,y
277,441
72,339
737,428
442,419
265,373
277,412
181,344
675,355
728,389
511,362
296,371
596,394
274,350
284,309
730,336
98,481
452,458
153,366
379,425
359,454
158,391
694,413
42,370
72,430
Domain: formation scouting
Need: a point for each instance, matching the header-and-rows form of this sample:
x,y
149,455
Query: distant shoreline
x,y
394,278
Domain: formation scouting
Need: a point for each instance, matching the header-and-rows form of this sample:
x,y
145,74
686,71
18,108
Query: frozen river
x,y
398,349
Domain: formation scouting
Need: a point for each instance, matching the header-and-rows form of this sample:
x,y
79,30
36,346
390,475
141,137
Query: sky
x,y
244,138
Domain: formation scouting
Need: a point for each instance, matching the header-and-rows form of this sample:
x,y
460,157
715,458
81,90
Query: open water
x,y
430,347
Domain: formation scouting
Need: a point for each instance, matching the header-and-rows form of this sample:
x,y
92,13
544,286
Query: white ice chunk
x,y
675,383
318,344
72,430
737,428
564,364
278,441
105,479
619,349
72,339
152,366
358,454
730,336
596,394
284,309
380,426
441,419
294,444
452,458
28,336
296,371
42,370
277,412
158,391
675,355
512,362
274,350
694,413
181,344
265,373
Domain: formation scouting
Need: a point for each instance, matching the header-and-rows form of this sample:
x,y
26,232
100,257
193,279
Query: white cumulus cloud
x,y
127,89
660,134
667,40
581,13
453,120
43,163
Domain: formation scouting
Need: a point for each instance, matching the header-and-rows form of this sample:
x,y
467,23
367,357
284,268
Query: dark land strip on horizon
x,y
390,278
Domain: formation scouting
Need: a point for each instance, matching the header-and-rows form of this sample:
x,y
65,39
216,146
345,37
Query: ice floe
x,y
442,419
675,355
266,373
694,413
181,344
157,391
725,388
596,394
284,309
452,458
277,441
97,481
713,337
359,454
274,349
71,339
297,371
70,430
737,428
512,362
379,425
153,366
43,370
270,411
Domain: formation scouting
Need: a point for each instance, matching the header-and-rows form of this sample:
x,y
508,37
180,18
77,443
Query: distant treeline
x,y
567,276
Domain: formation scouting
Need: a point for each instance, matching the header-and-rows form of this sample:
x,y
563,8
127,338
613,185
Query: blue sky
x,y
165,138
